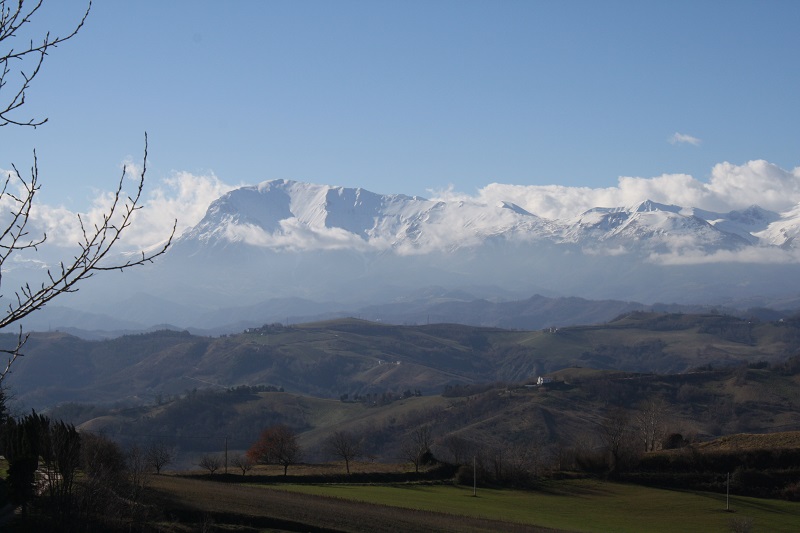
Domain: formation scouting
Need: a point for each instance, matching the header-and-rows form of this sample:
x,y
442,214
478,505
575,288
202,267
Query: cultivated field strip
x,y
263,507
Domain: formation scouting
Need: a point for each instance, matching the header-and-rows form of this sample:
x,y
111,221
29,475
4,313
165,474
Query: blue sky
x,y
404,97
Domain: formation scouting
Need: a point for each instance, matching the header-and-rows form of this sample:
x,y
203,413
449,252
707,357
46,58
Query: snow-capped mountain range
x,y
294,216
333,249
289,239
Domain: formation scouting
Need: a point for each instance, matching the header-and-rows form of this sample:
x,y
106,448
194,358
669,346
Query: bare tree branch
x,y
96,241
13,353
13,20
95,246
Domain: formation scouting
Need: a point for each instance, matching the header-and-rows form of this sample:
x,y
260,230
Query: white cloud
x,y
682,138
730,187
611,252
749,255
183,197
296,236
186,197
756,182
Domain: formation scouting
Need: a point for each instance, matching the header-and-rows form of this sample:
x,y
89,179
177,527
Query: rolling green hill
x,y
355,357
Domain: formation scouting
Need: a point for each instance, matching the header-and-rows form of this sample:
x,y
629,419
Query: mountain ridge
x,y
404,224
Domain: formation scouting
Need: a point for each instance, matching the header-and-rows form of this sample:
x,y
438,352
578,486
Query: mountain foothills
x,y
357,358
290,249
700,375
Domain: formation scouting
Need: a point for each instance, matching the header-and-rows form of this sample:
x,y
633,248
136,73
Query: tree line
x,y
63,479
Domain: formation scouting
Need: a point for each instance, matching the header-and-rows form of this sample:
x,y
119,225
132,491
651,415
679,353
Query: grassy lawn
x,y
590,506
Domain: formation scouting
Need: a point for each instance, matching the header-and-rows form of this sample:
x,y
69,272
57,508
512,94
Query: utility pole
x,y
474,478
728,492
226,454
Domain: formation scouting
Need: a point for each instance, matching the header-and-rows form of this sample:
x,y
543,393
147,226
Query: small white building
x,y
543,380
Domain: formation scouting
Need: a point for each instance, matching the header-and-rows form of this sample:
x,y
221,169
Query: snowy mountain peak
x,y
515,208
291,239
753,215
291,215
783,230
649,206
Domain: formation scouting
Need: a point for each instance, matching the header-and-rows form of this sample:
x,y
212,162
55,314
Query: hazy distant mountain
x,y
279,249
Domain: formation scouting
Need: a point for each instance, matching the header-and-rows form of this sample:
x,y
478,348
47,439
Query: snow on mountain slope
x,y
282,215
291,215
746,223
648,226
287,239
783,231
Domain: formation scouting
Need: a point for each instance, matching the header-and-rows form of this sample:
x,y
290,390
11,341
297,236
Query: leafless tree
x,y
495,455
243,463
524,460
95,244
158,455
210,463
615,431
18,191
460,448
650,422
417,448
137,471
346,446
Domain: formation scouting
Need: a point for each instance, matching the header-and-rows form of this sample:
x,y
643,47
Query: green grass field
x,y
584,505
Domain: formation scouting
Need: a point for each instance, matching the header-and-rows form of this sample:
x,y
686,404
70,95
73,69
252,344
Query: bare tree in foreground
x,y
18,191
14,20
95,245
345,446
